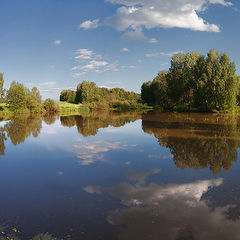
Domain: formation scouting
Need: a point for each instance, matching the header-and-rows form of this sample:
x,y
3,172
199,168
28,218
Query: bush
x,y
50,106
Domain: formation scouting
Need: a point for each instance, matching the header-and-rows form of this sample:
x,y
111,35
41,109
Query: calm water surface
x,y
120,176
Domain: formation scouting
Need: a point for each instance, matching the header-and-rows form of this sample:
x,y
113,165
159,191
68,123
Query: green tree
x,y
68,96
147,94
2,91
216,82
86,92
50,106
180,79
16,96
33,99
159,89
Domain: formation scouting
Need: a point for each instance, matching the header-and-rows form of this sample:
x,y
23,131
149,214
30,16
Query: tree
x,y
68,96
16,96
216,82
86,92
147,93
33,99
205,83
159,89
2,91
180,79
50,106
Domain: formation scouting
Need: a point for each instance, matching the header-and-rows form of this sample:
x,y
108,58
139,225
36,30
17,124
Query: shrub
x,y
50,106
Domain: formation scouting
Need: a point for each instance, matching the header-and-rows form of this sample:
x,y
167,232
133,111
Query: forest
x,y
195,82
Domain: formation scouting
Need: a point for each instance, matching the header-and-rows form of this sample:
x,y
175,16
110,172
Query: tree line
x,y
20,98
99,97
195,82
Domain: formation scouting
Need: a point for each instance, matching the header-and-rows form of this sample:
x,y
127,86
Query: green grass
x,y
66,107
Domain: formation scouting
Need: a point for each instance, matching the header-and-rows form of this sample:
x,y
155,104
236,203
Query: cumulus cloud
x,y
132,16
89,24
91,62
137,34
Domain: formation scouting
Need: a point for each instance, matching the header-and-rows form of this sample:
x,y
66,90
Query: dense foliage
x,y
205,83
68,96
19,97
16,96
97,97
2,90
50,106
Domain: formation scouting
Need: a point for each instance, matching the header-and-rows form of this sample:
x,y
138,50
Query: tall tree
x,y
216,82
2,90
16,96
86,92
180,79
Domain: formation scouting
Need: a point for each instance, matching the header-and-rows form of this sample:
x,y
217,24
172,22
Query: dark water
x,y
120,176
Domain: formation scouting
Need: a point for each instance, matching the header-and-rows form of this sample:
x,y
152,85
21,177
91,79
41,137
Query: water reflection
x,y
197,140
62,185
20,128
17,130
89,124
173,211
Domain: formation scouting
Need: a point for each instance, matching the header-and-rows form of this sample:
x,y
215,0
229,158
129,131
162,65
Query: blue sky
x,y
56,44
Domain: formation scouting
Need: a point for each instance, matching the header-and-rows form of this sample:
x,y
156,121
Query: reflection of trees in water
x,y
18,130
195,140
3,138
50,119
89,124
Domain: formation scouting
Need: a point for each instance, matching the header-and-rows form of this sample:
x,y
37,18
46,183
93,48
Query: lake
x,y
120,176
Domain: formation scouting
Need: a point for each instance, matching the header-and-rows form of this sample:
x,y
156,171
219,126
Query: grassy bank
x,y
71,108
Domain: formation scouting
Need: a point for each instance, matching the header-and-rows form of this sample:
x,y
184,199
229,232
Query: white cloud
x,y
57,42
84,51
132,16
89,24
47,83
91,62
156,54
79,74
125,50
137,34
93,65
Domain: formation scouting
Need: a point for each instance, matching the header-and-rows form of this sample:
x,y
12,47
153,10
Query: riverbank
x,y
66,108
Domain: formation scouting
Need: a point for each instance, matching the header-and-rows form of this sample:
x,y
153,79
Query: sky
x,y
57,44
